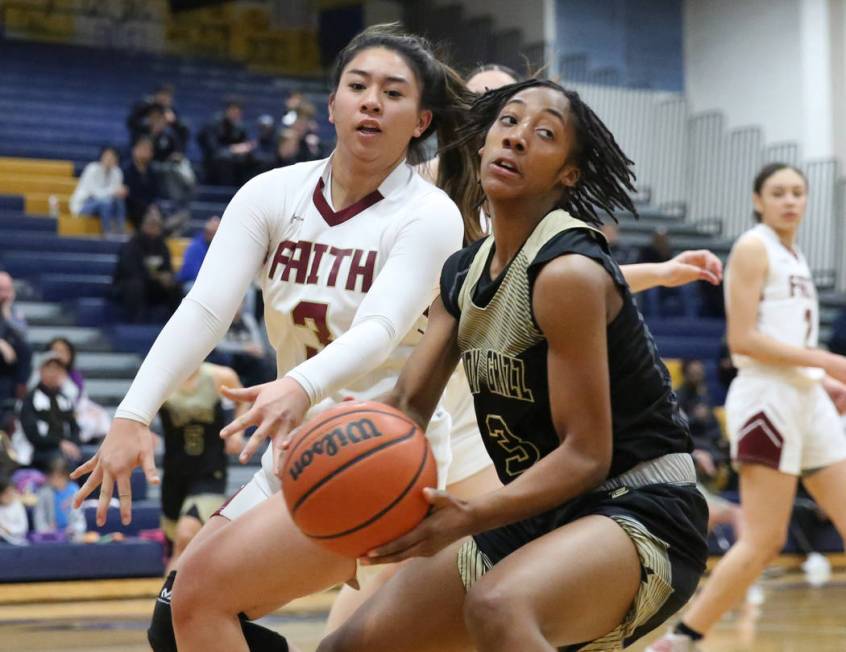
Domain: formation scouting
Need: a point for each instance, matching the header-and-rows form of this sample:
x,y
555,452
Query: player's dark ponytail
x,y
444,93
606,179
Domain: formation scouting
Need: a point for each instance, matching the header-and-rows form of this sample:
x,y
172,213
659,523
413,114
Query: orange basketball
x,y
354,475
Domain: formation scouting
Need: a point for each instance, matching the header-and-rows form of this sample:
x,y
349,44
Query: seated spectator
x,y
138,121
101,192
264,153
144,282
172,168
8,310
13,522
242,349
227,149
142,187
93,420
621,253
47,416
15,360
8,455
196,253
54,512
292,108
287,148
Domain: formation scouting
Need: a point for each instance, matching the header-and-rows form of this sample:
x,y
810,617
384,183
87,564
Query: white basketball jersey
x,y
322,262
789,309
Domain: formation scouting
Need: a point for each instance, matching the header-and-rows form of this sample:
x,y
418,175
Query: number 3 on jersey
x,y
312,315
521,453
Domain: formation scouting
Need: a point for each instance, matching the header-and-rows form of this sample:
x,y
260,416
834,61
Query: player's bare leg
x,y
418,610
350,599
766,501
223,577
828,487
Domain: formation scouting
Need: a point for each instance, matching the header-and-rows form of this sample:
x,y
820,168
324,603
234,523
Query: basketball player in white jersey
x,y
782,421
348,250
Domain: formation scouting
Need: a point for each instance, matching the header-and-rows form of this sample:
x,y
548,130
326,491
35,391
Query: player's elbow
x,y
740,342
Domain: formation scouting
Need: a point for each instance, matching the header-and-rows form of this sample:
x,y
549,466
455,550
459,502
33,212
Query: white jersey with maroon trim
x,y
788,310
322,263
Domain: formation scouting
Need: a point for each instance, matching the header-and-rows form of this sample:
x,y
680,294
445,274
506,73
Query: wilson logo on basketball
x,y
333,441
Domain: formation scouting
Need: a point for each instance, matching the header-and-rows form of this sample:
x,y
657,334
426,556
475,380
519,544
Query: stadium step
x,y
45,313
108,365
107,391
35,167
32,263
83,338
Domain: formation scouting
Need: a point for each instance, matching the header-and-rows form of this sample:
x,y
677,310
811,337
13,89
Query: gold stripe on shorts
x,y
472,563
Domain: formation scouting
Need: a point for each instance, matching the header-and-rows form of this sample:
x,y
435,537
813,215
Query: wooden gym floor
x,y
112,616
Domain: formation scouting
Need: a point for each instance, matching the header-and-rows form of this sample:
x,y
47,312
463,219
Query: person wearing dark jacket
x,y
143,281
47,416
140,181
227,149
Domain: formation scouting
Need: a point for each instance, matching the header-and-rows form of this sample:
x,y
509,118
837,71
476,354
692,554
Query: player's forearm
x,y
769,350
561,476
642,276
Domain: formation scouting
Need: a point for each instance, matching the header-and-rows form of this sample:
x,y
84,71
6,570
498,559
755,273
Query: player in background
x,y
598,534
780,408
194,468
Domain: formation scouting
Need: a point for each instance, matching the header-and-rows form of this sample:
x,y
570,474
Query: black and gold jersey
x,y
504,353
192,420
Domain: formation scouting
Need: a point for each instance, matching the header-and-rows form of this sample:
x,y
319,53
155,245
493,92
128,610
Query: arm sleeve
x,y
234,257
400,294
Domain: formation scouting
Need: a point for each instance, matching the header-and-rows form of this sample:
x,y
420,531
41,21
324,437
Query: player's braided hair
x,y
443,92
606,178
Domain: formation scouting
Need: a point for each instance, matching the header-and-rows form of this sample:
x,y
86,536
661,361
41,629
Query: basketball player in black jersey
x,y
598,535
195,474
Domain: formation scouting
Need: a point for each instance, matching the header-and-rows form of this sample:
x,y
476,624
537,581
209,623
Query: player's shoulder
x,y
428,196
751,243
290,178
459,262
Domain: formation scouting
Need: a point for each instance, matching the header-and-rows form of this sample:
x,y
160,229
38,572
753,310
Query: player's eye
x,y
394,94
356,86
546,134
508,119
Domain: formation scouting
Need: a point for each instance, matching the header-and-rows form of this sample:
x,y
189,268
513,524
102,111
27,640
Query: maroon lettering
x,y
365,271
339,254
280,257
317,257
298,261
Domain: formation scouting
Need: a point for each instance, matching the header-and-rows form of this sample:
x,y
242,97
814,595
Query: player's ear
x,y
332,108
758,203
424,119
569,175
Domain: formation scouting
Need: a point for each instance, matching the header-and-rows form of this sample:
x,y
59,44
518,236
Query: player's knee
x,y
489,610
765,546
191,591
345,639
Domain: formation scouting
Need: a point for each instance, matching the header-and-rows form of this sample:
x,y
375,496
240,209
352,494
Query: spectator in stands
x,y
622,253
292,107
54,512
287,148
141,183
93,420
726,371
47,415
101,192
196,253
144,282
13,522
15,355
710,448
227,149
162,99
242,349
172,168
8,454
837,341
11,313
264,153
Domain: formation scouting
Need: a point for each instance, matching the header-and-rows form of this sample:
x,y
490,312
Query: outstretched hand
x,y
448,521
127,445
278,407
689,266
